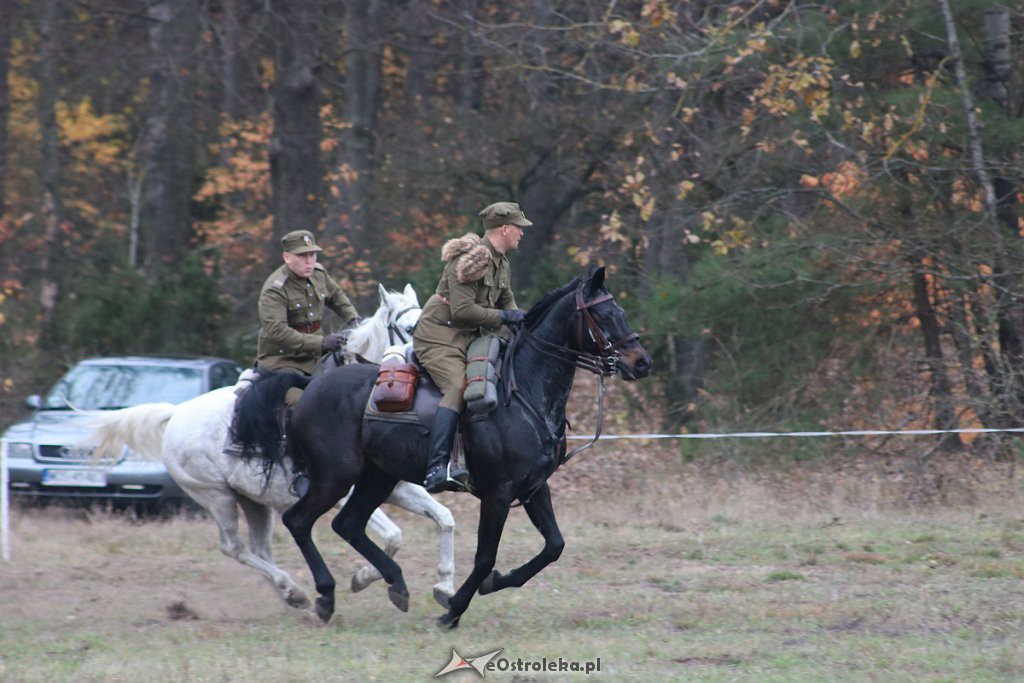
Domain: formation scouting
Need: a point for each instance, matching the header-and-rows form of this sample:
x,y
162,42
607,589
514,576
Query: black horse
x,y
510,454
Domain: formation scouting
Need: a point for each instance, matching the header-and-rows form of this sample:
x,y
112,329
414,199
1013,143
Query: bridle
x,y
604,358
396,336
397,333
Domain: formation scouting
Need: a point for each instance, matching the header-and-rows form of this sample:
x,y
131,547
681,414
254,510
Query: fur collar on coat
x,y
473,255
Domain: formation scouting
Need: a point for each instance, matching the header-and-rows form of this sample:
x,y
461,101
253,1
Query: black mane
x,y
547,301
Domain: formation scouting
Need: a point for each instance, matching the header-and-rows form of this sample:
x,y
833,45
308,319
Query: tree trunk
x,y
349,210
227,33
168,146
470,94
942,388
997,55
295,170
50,209
1009,314
7,19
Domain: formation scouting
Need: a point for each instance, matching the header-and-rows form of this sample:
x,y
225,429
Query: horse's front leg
x,y
415,498
493,513
299,519
543,517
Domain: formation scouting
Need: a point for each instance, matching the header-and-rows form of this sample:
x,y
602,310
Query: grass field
x,y
697,583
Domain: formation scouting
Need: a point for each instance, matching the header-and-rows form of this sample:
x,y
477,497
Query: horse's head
x,y
402,311
600,329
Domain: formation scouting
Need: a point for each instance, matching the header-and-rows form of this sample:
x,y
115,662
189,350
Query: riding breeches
x,y
447,367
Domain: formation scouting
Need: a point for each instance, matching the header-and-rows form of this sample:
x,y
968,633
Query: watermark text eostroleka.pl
x,y
490,662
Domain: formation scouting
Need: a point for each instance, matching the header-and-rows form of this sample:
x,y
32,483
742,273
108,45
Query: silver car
x,y
44,460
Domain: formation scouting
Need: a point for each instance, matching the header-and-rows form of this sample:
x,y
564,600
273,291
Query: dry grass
x,y
675,577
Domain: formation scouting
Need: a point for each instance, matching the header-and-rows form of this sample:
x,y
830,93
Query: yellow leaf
x,y
647,209
855,49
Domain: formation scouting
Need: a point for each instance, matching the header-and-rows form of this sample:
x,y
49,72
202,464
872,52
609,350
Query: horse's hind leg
x,y
370,491
260,519
415,499
261,532
223,507
543,517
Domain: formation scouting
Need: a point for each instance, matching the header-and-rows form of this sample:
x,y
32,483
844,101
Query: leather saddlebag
x,y
395,388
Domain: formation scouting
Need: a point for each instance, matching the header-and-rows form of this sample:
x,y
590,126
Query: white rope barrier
x,y
759,435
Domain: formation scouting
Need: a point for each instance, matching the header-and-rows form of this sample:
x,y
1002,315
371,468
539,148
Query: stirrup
x,y
449,483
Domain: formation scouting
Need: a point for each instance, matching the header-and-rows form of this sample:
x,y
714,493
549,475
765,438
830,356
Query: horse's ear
x,y
383,293
410,292
595,278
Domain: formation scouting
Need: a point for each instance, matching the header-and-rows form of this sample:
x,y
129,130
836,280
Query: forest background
x,y
812,211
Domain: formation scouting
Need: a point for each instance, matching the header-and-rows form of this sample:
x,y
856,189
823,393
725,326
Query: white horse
x,y
189,439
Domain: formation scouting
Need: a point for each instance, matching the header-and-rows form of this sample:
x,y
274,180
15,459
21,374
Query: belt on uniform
x,y
442,298
308,328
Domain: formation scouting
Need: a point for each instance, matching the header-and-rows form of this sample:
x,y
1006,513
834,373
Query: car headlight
x,y
20,450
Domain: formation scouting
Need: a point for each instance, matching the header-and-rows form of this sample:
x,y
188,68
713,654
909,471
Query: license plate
x,y
70,477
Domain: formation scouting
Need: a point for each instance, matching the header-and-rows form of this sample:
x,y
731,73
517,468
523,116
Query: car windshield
x,y
106,387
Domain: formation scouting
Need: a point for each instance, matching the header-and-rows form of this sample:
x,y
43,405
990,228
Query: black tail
x,y
257,426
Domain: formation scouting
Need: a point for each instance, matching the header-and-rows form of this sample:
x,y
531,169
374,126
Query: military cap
x,y
299,242
503,213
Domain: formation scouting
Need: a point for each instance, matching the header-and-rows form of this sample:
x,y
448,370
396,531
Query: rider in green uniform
x,y
474,294
291,307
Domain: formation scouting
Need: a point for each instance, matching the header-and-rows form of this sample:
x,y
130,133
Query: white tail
x,y
140,427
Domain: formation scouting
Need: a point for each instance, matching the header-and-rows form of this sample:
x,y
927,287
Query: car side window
x,y
223,375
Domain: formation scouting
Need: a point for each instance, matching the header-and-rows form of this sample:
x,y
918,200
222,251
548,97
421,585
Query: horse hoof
x,y
442,598
487,585
297,600
358,585
324,609
399,598
449,621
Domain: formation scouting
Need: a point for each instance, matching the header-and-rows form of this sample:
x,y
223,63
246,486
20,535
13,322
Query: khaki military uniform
x,y
475,285
291,313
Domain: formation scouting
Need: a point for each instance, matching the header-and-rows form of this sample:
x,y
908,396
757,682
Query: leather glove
x,y
333,342
512,317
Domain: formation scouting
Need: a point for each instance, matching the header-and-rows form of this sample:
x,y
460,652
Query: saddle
x,y
423,404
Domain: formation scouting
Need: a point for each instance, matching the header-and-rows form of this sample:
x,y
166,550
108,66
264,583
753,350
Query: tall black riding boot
x,y
440,477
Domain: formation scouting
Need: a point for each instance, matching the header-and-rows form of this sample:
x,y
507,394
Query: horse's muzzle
x,y
634,363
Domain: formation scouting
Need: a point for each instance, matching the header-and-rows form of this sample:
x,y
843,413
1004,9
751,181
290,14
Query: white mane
x,y
370,338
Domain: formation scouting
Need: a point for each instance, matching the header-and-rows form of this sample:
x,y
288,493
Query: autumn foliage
x,y
796,203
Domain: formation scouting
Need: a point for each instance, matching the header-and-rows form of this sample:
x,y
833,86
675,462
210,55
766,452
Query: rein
x,y
602,363
606,358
